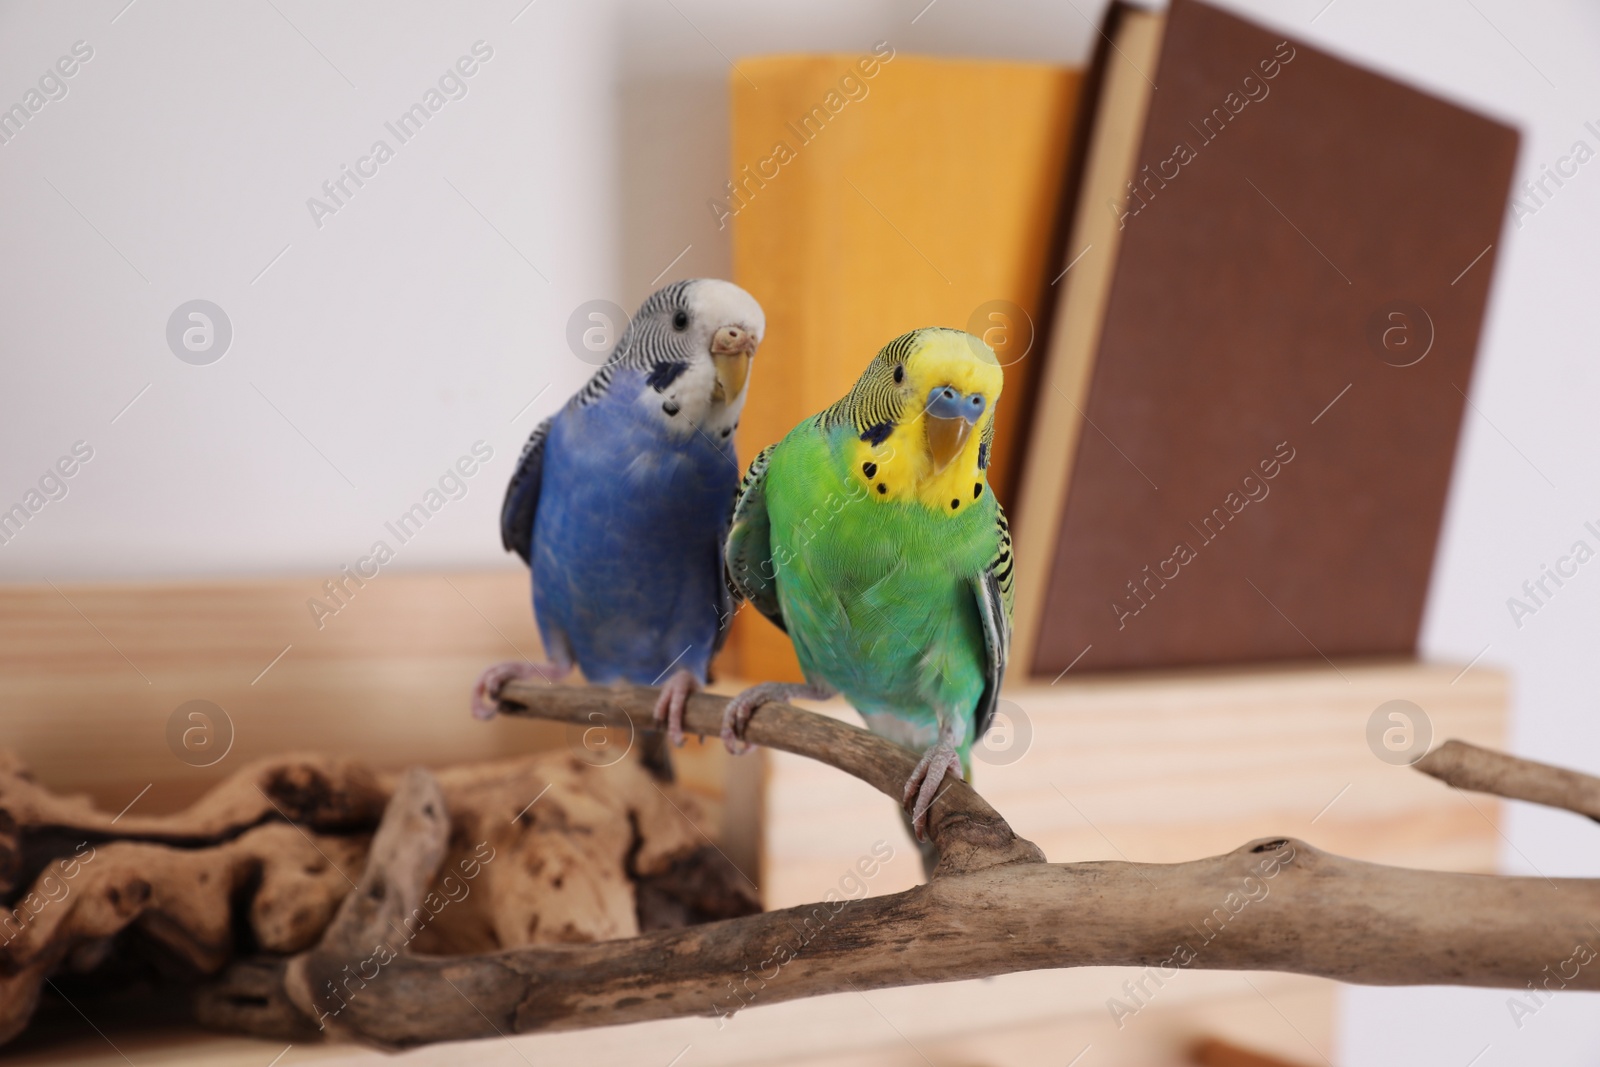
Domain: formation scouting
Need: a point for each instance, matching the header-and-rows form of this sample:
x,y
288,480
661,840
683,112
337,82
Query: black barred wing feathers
x,y
993,591
749,556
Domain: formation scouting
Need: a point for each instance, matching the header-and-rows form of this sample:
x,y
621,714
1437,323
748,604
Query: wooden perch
x,y
993,907
1483,770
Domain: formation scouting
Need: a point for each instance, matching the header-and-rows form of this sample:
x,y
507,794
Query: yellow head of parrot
x,y
924,413
954,379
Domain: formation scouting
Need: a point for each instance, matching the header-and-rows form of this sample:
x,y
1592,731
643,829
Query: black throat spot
x,y
664,374
877,435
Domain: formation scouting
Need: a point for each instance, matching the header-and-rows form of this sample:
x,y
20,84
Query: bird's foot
x,y
674,697
923,785
486,694
736,716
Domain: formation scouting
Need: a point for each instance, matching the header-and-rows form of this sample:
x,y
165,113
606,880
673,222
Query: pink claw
x,y
924,783
670,705
486,693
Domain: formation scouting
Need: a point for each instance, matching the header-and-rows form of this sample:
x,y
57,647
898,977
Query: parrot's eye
x,y
680,321
899,373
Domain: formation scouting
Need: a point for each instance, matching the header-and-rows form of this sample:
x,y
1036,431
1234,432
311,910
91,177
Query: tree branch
x,y
1483,770
970,834
994,907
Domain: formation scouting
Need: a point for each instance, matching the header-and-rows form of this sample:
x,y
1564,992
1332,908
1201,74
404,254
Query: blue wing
x,y
728,595
522,495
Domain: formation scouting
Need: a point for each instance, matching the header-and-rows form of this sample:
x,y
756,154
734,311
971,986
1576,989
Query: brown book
x,y
1259,364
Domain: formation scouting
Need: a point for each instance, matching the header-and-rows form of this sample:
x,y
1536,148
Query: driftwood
x,y
274,862
994,906
73,878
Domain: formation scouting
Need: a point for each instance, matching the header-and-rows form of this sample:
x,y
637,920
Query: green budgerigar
x,y
871,536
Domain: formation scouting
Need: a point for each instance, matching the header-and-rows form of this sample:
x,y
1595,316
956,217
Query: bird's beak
x,y
948,421
946,439
731,349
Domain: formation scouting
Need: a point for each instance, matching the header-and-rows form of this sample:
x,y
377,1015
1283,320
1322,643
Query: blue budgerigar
x,y
621,502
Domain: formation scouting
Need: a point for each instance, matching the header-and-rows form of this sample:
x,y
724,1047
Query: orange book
x,y
873,194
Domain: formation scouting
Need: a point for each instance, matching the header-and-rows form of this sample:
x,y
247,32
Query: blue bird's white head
x,y
693,341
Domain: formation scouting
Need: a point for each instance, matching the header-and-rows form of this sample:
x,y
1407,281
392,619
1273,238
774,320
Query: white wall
x,y
383,344
405,327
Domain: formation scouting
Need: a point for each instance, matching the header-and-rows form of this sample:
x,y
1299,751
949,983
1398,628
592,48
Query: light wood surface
x,y
1288,1015
90,675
